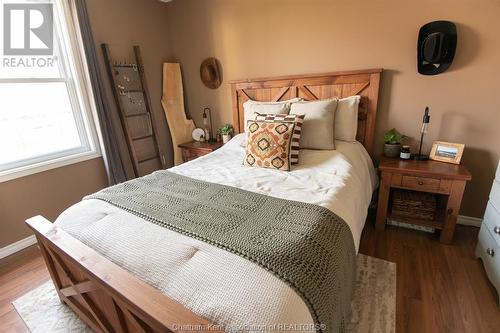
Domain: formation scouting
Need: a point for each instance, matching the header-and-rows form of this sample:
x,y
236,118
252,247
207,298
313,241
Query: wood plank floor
x,y
440,288
19,274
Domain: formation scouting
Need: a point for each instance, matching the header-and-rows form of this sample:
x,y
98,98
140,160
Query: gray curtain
x,y
115,166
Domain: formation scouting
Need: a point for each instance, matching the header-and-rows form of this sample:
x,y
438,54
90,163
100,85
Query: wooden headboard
x,y
314,87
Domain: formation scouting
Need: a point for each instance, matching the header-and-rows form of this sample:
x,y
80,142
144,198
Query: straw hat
x,y
211,73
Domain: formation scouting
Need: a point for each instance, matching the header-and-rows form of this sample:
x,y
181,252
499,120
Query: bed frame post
x,y
105,296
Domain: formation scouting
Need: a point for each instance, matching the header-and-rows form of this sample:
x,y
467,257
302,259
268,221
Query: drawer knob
x,y
496,230
420,181
490,252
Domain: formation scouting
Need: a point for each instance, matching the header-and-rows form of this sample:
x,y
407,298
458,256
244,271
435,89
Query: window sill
x,y
47,165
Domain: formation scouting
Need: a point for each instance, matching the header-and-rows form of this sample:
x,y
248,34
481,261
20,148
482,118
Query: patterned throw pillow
x,y
268,144
298,119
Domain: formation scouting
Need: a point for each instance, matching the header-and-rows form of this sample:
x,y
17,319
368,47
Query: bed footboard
x,y
104,295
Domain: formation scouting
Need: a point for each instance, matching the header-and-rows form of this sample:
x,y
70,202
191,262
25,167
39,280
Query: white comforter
x,y
218,285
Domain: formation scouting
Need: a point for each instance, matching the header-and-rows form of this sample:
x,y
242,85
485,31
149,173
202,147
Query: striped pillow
x,y
298,119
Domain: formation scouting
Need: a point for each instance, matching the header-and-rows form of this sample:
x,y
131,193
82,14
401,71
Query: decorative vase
x,y
392,150
226,138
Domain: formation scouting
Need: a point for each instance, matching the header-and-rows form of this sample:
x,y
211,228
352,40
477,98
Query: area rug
x,y
373,306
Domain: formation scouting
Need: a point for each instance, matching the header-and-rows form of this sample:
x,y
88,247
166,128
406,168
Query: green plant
x,y
393,137
227,129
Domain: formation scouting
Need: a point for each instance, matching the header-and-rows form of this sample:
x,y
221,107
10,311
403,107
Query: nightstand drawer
x,y
421,183
188,155
193,150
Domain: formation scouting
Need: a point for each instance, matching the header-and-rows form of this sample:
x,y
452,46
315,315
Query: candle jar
x,y
405,153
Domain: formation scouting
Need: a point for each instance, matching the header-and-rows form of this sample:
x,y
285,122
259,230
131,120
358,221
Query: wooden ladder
x,y
134,109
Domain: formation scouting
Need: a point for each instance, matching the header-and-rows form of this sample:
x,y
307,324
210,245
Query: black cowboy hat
x,y
437,42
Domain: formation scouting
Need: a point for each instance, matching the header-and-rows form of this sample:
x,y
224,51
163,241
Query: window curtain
x,y
113,161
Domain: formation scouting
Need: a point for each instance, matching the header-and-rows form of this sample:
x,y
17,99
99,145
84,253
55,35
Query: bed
x,y
116,284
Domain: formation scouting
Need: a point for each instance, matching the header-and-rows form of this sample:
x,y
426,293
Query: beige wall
x,y
255,38
121,24
46,193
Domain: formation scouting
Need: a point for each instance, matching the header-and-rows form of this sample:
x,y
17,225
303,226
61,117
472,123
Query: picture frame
x,y
448,152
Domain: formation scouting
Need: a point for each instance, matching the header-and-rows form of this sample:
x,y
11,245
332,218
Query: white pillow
x,y
346,119
251,108
318,131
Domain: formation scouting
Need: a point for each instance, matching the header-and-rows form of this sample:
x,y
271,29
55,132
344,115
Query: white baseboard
x,y
17,246
470,221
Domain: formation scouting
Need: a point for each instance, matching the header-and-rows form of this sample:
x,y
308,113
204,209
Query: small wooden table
x,y
195,149
447,180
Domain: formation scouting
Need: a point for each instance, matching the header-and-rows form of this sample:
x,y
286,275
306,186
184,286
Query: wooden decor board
x,y
173,105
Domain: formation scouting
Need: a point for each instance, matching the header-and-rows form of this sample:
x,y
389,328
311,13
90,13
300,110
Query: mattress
x,y
223,287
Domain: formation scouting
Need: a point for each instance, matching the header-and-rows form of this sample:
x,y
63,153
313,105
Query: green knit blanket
x,y
307,246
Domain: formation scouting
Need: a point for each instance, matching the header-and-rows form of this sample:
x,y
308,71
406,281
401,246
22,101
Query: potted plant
x,y
226,131
392,143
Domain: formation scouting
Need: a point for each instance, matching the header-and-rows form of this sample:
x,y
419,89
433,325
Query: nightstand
x,y
195,149
445,180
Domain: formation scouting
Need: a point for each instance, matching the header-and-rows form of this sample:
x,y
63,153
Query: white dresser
x,y
488,246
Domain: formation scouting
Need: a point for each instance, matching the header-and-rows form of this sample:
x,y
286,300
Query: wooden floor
x,y
440,288
19,274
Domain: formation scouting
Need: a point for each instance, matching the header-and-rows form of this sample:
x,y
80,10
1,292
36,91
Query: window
x,y
45,118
